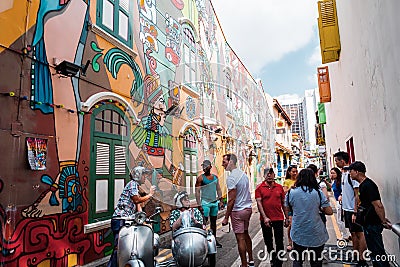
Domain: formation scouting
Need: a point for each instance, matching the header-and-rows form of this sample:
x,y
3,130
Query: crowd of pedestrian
x,y
300,204
304,198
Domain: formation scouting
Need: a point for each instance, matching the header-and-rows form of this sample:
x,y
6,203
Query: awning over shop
x,y
279,146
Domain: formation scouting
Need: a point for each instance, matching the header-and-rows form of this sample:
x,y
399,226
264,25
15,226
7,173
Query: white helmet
x,y
137,172
178,198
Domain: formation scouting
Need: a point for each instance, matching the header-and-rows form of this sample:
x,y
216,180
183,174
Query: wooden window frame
x,y
191,151
113,140
188,41
350,149
115,31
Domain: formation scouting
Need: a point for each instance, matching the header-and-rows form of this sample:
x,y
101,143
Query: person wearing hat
x,y
270,198
349,199
182,203
127,205
374,219
209,196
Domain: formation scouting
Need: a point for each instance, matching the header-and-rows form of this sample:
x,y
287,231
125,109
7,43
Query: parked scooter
x,y
138,244
191,246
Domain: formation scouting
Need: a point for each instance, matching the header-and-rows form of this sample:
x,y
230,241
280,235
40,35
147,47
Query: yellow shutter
x,y
328,31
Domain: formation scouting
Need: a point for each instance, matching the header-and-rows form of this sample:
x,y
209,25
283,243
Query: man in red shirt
x,y
270,200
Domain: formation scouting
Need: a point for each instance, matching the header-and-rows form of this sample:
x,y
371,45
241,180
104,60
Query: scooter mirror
x,y
159,210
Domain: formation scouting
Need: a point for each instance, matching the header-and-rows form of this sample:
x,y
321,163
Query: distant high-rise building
x,y
311,99
295,107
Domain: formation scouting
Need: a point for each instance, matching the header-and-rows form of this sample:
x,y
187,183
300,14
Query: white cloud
x,y
263,31
288,98
315,58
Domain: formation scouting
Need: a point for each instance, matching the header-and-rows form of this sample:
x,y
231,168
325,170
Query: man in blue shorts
x,y
209,196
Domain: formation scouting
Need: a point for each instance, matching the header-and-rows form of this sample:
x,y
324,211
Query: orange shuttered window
x,y
328,31
324,85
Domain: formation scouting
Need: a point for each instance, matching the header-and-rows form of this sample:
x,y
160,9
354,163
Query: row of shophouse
x,y
89,89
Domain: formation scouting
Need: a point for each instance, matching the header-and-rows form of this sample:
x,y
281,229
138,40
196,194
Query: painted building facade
x,y
90,89
363,115
283,138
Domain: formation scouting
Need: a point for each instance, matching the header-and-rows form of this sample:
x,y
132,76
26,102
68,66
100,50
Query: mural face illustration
x,y
160,108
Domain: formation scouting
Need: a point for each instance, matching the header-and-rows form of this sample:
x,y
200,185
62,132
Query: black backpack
x,y
349,180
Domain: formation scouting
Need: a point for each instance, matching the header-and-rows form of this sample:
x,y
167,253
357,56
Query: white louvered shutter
x,y
108,14
102,158
119,160
123,19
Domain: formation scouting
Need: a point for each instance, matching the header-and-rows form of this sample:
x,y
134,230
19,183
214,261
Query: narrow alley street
x,y
228,255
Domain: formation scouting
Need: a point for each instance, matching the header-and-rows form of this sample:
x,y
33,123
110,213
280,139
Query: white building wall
x,y
365,86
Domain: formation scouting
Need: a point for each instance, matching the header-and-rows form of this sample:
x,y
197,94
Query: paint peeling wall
x,y
146,82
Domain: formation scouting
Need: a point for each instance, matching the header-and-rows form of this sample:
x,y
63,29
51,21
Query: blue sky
x,y
295,72
276,40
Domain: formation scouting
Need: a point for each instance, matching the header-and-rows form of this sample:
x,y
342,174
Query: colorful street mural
x,y
107,86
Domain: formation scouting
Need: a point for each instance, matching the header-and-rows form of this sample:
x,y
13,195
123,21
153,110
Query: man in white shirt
x,y
239,207
350,201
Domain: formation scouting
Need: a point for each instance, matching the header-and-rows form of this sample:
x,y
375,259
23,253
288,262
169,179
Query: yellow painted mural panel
x,y
16,17
122,84
45,263
72,260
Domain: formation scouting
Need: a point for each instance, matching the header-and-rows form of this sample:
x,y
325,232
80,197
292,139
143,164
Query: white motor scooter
x,y
191,247
138,245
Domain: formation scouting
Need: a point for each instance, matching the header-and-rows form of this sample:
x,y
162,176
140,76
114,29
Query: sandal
x,y
250,264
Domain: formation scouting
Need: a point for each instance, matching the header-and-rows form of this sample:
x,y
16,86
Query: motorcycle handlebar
x,y
133,219
126,218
